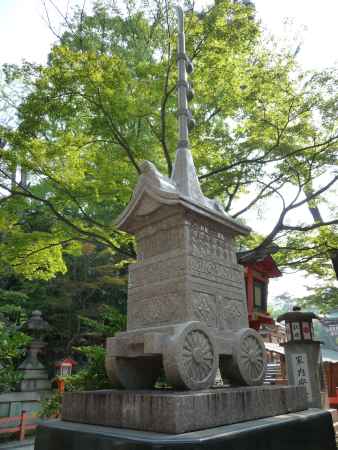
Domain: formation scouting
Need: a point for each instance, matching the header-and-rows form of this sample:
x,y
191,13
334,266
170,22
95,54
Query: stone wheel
x,y
133,373
247,364
190,359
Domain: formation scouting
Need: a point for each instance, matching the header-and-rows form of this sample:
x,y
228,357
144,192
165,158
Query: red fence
x,y
17,424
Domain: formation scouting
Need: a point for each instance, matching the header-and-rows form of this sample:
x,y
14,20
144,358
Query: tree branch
x,y
309,227
25,192
262,160
260,195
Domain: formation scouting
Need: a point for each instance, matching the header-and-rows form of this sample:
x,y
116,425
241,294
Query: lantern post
x,y
63,370
303,356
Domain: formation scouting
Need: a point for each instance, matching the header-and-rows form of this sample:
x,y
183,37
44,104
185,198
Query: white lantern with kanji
x,y
64,367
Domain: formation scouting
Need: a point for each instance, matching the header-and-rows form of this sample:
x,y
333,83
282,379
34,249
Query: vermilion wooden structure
x,y
257,275
17,424
331,375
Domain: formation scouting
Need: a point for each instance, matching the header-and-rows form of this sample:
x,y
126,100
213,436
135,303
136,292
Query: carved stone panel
x,y
232,313
205,308
213,271
219,311
157,304
155,311
209,241
186,270
156,270
160,242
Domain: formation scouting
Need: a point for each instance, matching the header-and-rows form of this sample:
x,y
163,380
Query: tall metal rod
x,y
182,84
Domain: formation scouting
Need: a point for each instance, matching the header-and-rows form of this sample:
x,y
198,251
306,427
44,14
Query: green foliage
x,y
13,344
109,321
93,376
79,128
322,299
51,407
9,378
106,101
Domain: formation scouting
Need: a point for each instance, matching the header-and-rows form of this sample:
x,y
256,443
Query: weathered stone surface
x,y
180,412
34,375
186,272
186,292
309,353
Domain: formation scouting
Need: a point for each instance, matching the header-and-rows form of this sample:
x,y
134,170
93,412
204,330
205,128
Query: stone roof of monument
x,y
155,189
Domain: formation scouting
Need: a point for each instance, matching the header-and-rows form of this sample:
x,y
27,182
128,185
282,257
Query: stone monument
x,y
186,295
187,314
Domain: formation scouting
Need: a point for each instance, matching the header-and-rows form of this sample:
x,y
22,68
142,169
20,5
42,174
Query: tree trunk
x,y
317,217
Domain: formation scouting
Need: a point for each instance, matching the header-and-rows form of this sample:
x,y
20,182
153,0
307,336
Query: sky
x,y
24,34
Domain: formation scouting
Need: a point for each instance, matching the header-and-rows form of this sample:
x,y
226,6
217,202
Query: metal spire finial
x,y
184,173
184,90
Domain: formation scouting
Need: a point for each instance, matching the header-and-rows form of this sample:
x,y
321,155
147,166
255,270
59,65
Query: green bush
x,y
13,345
51,406
93,376
9,378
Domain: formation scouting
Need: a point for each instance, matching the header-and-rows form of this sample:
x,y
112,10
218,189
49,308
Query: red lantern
x,y
63,369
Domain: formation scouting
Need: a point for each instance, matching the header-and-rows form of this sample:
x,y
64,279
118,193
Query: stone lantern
x,y
302,354
35,377
298,325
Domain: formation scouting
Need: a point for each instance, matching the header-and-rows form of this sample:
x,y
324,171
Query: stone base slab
x,y
306,430
175,412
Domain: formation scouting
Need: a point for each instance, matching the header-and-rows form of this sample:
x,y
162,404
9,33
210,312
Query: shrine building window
x,y
260,294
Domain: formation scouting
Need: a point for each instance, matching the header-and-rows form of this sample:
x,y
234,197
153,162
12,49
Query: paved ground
x,y
27,444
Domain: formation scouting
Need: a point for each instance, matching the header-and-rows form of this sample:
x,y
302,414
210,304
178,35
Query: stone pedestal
x,y
303,368
180,412
307,430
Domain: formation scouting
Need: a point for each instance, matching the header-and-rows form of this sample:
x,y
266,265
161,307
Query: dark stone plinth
x,y
179,412
306,430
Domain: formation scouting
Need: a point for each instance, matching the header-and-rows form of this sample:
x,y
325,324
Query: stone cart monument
x,y
187,315
186,298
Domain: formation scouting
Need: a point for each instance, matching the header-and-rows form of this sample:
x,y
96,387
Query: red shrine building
x,y
257,275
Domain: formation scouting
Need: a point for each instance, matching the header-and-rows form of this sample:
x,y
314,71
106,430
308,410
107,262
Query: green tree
x,y
13,342
322,299
106,101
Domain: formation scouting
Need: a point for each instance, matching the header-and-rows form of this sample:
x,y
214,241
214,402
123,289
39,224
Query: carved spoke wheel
x,y
190,360
197,355
248,362
251,357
